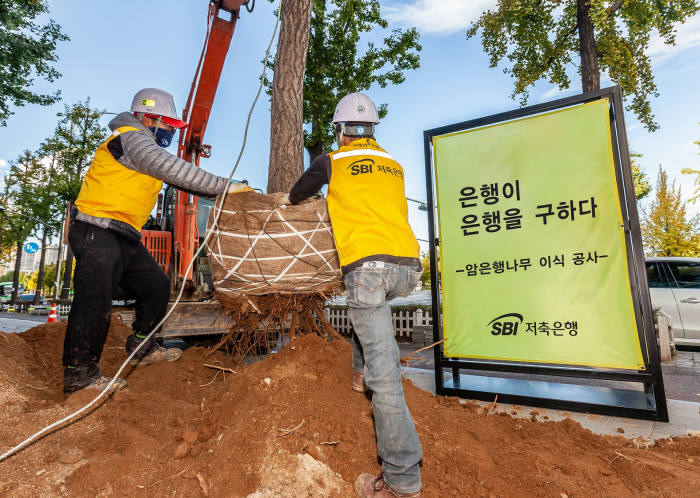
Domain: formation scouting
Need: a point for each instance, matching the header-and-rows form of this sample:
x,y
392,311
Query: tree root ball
x,y
257,322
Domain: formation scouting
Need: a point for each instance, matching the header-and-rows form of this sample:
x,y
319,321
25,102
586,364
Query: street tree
x,y
286,120
642,187
338,63
425,263
77,135
13,232
19,208
49,278
6,251
33,207
666,228
27,51
540,38
46,212
69,151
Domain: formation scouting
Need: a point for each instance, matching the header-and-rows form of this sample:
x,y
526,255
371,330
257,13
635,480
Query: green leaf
x,y
537,39
346,55
27,51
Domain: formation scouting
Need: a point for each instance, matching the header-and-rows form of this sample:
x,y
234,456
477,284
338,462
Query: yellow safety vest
x,y
367,204
111,190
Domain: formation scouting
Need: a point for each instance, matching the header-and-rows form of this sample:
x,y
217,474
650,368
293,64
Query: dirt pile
x,y
290,426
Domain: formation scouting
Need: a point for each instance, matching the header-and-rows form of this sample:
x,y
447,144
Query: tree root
x,y
257,322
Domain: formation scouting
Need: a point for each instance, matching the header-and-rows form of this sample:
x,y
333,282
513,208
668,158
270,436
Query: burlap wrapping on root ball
x,y
260,248
273,267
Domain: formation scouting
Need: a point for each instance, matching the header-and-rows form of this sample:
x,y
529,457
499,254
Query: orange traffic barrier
x,y
52,314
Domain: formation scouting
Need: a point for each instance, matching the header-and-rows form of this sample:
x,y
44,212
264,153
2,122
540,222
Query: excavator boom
x,y
175,245
221,23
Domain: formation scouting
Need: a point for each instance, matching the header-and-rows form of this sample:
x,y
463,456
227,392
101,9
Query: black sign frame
x,y
600,391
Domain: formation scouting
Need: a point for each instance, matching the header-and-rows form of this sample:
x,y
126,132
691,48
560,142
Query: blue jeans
x,y
377,356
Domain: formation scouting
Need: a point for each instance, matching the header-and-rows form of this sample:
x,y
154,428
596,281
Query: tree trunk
x,y
57,277
67,274
590,73
316,43
15,277
40,277
287,110
315,150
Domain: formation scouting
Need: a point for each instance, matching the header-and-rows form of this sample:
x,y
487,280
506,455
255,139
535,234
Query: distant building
x,y
30,262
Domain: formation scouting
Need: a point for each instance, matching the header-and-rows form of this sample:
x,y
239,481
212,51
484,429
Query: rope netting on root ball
x,y
273,267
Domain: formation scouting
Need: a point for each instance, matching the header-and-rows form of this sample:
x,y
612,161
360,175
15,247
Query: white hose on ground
x,y
217,214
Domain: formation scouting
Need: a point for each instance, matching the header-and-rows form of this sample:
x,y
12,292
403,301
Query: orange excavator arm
x,y
221,22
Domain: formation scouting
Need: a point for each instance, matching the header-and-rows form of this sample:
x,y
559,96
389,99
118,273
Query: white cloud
x,y
575,87
687,36
691,146
556,93
438,17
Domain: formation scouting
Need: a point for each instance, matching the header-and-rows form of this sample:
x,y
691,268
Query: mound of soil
x,y
290,425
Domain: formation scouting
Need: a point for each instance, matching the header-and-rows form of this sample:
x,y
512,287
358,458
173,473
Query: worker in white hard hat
x,y
379,257
118,194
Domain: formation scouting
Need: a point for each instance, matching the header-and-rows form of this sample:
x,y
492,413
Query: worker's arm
x,y
318,174
137,150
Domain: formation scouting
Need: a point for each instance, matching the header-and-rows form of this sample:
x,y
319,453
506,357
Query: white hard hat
x,y
158,103
356,107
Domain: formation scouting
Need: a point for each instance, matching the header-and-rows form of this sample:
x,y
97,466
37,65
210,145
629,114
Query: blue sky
x,y
117,48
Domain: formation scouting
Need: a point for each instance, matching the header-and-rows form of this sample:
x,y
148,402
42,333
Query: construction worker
x,y
116,198
379,257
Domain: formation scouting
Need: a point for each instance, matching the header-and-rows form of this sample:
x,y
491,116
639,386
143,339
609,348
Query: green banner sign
x,y
532,248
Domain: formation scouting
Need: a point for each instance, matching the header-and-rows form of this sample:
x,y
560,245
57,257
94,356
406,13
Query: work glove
x,y
236,188
280,198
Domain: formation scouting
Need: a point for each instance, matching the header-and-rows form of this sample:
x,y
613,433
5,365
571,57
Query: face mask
x,y
163,136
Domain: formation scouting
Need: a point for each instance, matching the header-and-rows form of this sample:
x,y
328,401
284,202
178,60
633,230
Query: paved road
x,y
682,380
19,322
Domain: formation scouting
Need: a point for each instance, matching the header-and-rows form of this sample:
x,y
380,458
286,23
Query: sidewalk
x,y
682,378
684,416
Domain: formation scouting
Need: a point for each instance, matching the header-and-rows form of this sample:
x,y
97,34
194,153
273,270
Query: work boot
x,y
151,352
157,353
369,486
133,341
358,382
88,377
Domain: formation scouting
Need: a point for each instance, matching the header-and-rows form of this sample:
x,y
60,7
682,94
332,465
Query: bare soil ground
x,y
290,425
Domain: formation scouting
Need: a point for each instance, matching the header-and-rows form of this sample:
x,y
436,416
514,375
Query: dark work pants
x,y
104,261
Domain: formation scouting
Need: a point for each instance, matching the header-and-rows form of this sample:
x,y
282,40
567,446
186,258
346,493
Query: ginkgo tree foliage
x,y
541,39
342,58
639,178
667,230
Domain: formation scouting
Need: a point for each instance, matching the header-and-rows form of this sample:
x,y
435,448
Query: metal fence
x,y
404,321
43,309
19,307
